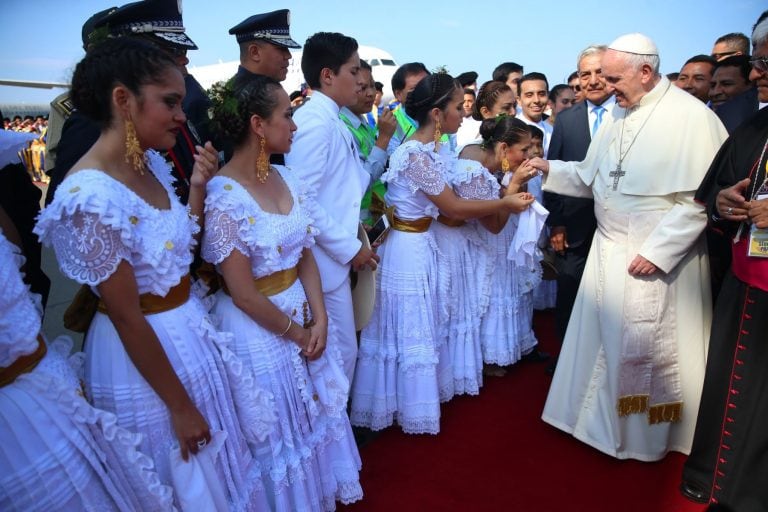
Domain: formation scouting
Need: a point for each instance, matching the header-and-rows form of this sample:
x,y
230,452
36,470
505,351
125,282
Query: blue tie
x,y
598,110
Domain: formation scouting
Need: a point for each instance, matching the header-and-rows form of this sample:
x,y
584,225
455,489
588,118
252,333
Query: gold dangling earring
x,y
504,165
262,163
438,134
133,153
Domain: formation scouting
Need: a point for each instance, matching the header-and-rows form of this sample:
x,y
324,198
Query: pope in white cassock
x,y
629,377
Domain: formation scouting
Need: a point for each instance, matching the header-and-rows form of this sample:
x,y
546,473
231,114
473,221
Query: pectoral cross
x,y
618,173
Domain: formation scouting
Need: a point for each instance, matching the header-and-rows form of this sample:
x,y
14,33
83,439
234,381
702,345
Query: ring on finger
x,y
729,210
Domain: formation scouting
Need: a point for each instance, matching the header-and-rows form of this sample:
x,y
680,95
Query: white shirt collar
x,y
608,104
318,98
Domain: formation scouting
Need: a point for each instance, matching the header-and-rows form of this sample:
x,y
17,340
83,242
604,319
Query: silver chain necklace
x,y
618,173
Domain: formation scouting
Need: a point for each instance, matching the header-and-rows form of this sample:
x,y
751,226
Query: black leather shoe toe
x,y
694,492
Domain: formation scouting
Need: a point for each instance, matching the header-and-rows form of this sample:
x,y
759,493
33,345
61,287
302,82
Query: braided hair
x,y
432,91
487,97
503,128
126,61
232,107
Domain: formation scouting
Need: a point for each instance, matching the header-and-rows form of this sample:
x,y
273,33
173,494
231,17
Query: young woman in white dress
x,y
469,262
404,369
505,330
259,234
152,356
57,451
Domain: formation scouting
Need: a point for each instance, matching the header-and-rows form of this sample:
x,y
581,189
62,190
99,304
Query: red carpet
x,y
495,453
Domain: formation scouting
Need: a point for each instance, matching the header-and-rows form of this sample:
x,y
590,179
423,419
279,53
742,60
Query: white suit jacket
x,y
325,157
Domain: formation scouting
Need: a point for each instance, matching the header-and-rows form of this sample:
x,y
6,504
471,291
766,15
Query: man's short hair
x,y
557,91
532,76
592,49
760,32
409,68
325,50
636,61
701,58
736,61
735,40
502,71
467,90
573,75
379,86
365,65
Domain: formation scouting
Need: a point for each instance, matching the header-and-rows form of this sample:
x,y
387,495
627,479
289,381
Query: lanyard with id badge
x,y
758,237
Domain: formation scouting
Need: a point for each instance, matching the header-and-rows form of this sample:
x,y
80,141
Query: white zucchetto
x,y
634,43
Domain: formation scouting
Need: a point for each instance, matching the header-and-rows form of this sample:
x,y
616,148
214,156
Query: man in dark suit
x,y
738,109
572,220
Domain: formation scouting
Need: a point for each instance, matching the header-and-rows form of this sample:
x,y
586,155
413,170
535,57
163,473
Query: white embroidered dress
x,y
94,224
403,367
506,330
465,273
58,452
311,459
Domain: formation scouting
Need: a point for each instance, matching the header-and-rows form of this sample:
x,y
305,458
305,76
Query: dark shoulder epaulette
x,y
63,104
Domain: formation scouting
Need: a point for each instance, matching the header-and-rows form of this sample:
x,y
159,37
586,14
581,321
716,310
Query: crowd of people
x,y
221,241
33,154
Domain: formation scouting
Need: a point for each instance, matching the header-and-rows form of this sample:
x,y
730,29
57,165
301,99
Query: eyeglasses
x,y
760,64
718,56
575,88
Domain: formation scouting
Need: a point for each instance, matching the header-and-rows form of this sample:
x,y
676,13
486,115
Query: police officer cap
x,y
90,25
270,26
158,19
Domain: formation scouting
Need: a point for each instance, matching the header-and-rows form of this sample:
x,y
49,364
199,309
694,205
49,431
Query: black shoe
x,y
551,368
694,492
535,356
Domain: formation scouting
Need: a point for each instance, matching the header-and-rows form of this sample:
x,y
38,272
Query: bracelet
x,y
288,328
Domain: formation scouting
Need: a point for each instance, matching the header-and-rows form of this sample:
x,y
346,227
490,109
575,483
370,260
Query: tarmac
x,y
60,296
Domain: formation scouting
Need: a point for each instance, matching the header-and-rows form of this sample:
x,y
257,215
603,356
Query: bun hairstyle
x,y
231,109
487,96
432,91
125,61
503,128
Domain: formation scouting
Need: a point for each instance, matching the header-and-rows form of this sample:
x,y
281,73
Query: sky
x,y
40,39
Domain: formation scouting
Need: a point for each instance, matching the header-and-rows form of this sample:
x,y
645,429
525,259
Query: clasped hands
x,y
732,205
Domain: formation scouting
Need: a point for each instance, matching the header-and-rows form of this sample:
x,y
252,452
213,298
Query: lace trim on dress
x,y
221,236
234,220
255,405
420,166
89,252
96,221
472,181
21,309
124,443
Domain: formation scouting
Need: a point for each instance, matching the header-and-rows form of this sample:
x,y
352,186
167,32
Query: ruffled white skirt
x,y
506,331
215,381
463,294
403,369
310,460
59,453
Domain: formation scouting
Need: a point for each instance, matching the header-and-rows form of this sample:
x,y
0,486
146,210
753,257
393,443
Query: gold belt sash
x,y
151,304
419,225
24,364
85,303
451,223
273,283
